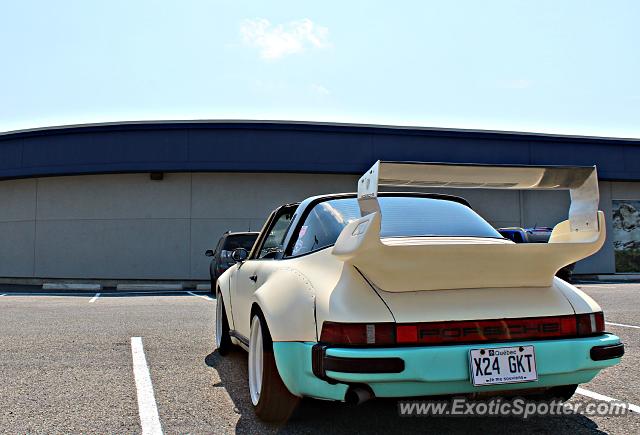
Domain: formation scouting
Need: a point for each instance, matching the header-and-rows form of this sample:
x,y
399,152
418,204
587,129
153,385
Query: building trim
x,y
292,147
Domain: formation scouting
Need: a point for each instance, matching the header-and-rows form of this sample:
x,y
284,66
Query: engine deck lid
x,y
437,263
476,304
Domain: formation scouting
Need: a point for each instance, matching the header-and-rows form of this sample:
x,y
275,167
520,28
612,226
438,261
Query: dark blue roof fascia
x,y
274,146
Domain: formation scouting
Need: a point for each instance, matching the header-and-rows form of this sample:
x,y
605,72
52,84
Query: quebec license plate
x,y
503,365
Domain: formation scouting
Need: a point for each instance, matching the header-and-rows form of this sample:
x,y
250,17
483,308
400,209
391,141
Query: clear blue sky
x,y
548,66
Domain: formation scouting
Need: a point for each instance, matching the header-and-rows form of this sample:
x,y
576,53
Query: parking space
x,y
621,307
67,366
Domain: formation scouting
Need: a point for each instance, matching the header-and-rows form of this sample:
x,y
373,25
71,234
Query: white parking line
x,y
209,298
623,325
597,396
93,299
147,408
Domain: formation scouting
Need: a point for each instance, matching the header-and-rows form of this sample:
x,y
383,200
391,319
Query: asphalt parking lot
x,y
67,366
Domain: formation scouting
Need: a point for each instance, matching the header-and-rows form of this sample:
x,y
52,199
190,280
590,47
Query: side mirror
x,y
239,255
208,253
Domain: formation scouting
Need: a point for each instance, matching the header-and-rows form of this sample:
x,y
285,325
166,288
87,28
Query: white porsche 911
x,y
355,296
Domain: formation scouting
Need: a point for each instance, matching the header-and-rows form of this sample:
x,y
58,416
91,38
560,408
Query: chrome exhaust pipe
x,y
358,394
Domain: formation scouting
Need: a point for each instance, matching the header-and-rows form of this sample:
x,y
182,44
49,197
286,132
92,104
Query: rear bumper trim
x,y
321,363
432,370
602,353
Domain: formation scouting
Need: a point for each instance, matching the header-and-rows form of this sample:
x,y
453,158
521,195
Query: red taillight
x,y
357,333
590,323
464,331
407,334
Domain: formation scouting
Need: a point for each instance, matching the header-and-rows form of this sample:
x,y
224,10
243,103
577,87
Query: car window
x,y
233,242
401,217
275,240
218,246
324,223
236,241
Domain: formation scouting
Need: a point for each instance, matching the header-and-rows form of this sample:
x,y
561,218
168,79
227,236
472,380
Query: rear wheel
x,y
271,399
223,339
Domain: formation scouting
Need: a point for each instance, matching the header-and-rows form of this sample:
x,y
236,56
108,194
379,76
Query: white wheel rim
x,y
255,360
218,320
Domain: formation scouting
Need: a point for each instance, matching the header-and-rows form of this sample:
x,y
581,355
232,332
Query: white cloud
x,y
276,41
319,89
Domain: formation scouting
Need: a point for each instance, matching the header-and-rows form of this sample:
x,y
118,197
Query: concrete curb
x,y
143,287
607,278
620,278
70,286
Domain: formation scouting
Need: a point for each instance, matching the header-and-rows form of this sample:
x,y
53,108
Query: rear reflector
x,y
465,331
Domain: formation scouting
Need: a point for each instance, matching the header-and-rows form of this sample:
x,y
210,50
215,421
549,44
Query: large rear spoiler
x,y
426,263
581,181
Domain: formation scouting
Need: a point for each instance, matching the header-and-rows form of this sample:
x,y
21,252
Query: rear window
x,y
245,241
401,217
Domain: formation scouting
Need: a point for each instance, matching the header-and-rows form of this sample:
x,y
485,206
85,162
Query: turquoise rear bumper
x,y
437,370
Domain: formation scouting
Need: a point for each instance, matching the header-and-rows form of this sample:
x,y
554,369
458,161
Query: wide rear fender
x,y
579,300
287,301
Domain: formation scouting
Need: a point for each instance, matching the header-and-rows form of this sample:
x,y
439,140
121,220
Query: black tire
x,y
562,392
276,403
225,345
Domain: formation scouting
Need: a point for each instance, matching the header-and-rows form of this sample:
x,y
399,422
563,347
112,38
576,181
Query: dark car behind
x,y
535,235
221,257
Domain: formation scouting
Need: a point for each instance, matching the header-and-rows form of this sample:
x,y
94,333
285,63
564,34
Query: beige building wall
x,y
127,226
